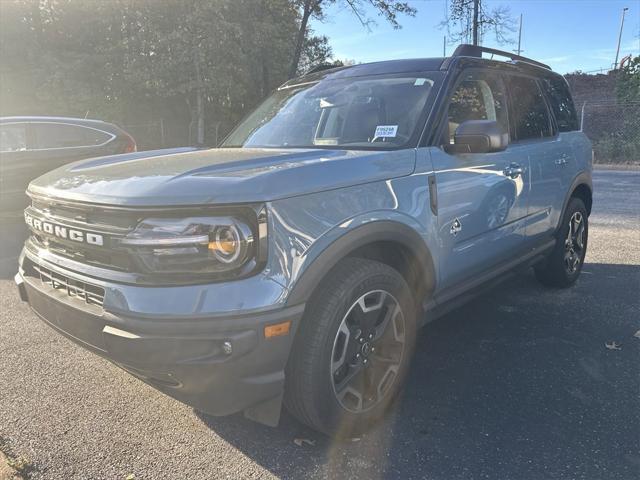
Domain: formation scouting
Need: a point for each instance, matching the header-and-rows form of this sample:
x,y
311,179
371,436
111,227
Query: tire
x,y
351,329
563,266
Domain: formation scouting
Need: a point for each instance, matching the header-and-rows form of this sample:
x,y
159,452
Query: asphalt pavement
x,y
518,384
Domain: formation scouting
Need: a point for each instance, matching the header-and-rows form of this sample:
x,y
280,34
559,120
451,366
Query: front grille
x,y
111,259
82,291
110,223
104,256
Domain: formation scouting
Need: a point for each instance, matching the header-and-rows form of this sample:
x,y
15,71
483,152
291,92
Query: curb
x,y
617,167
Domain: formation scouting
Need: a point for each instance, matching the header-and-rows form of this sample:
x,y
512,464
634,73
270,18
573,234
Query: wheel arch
x,y
582,188
584,193
387,241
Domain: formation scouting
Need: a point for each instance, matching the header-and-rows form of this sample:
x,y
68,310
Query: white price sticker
x,y
386,131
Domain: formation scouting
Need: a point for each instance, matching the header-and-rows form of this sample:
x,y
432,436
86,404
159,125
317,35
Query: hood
x,y
218,176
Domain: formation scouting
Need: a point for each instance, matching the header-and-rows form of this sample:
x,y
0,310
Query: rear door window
x,y
13,137
59,135
561,102
529,114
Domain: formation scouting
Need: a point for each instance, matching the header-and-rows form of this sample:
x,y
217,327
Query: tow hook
x,y
22,290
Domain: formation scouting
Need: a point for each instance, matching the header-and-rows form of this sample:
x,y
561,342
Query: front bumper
x,y
219,364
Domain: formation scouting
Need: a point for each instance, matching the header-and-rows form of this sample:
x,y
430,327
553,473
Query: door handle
x,y
513,170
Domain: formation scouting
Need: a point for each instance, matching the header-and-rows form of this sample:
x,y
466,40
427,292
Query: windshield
x,y
361,112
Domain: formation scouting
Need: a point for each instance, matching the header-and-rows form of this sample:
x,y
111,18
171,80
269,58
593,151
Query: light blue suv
x,y
296,262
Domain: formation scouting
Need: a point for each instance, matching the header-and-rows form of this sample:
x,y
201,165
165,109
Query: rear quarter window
x,y
559,96
96,137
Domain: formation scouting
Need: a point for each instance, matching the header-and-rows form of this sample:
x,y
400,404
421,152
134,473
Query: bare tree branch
x,y
458,22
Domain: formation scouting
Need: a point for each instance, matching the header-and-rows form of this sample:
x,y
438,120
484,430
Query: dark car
x,y
31,146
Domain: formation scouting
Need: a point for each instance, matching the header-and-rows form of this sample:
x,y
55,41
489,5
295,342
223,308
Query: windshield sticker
x,y
385,131
324,103
420,81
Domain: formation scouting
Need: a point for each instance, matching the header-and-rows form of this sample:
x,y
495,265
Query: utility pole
x,y
444,46
615,64
476,7
519,36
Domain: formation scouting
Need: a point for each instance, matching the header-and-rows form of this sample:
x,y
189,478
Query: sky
x,y
568,35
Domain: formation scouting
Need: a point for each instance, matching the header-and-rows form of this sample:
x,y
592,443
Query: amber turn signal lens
x,y
277,330
224,247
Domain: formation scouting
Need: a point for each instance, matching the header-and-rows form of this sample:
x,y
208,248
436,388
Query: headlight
x,y
193,245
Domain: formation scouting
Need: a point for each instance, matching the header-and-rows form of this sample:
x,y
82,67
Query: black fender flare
x,y
583,178
382,230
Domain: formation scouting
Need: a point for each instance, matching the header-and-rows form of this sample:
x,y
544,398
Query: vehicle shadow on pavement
x,y
516,384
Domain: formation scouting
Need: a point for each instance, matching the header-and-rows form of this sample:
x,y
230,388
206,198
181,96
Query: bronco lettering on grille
x,y
63,232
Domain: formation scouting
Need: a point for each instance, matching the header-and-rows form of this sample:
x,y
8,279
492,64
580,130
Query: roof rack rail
x,y
466,50
319,68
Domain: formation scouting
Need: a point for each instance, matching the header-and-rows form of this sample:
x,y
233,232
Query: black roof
x,y
374,68
467,53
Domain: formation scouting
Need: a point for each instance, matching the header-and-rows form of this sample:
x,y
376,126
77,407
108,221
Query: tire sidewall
x,y
338,419
576,205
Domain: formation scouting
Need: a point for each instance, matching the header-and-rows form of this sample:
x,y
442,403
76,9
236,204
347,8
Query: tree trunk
x,y
199,105
200,115
476,7
306,14
265,77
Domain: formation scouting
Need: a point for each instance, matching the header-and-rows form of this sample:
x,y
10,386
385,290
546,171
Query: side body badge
x,y
456,226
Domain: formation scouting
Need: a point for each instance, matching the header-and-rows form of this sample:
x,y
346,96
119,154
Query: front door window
x,y
478,96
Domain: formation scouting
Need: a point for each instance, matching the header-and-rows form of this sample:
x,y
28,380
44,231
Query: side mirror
x,y
479,136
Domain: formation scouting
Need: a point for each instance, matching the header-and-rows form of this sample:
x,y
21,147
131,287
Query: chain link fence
x,y
614,129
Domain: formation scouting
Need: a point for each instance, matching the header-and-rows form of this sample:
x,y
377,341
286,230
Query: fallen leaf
x,y
637,334
613,346
301,441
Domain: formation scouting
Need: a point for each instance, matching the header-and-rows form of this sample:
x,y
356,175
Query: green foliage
x,y
628,86
617,149
193,63
626,147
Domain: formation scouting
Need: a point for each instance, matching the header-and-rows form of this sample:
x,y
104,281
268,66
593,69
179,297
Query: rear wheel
x,y
562,267
353,348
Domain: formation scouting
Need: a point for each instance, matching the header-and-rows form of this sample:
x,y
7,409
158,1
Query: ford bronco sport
x,y
294,263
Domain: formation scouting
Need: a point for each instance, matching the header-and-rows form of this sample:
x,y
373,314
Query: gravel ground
x,y
516,384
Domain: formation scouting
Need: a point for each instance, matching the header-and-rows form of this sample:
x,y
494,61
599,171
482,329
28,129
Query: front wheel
x,y
562,267
353,348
